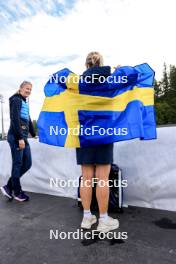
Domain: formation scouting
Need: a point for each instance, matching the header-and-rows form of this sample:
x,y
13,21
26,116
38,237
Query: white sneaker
x,y
107,225
87,222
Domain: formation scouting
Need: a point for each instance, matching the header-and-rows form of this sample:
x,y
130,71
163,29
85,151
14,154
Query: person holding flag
x,y
96,162
121,101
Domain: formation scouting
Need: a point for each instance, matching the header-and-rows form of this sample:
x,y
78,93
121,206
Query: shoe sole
x,y
87,228
21,200
108,229
5,193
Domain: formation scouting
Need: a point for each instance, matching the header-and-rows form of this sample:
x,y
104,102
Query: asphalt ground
x,y
46,230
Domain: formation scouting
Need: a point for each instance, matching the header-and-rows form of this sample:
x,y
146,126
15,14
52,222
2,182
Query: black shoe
x,y
21,197
6,192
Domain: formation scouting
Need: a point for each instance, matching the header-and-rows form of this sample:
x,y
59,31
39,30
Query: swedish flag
x,y
79,112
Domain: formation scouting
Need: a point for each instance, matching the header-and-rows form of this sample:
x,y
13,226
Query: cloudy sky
x,y
37,38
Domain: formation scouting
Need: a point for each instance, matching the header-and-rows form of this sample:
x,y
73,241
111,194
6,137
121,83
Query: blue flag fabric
x,y
80,113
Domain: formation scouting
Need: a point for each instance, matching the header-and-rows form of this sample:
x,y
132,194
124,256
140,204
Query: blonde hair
x,y
23,84
94,59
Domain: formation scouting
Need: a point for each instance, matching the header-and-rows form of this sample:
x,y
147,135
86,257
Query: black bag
x,y
115,192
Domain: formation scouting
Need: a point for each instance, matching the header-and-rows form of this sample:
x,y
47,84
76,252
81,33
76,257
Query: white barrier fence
x,y
148,166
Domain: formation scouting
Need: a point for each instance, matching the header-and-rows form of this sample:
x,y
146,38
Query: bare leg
x,y
102,193
86,189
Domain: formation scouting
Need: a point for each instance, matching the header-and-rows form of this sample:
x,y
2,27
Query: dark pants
x,y
21,163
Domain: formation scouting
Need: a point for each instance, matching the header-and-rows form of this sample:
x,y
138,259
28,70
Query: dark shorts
x,y
100,154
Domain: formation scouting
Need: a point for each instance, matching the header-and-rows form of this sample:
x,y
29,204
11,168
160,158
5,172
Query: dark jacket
x,y
20,121
104,71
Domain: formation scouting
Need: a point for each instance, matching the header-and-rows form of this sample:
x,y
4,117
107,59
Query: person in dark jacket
x,y
20,126
96,161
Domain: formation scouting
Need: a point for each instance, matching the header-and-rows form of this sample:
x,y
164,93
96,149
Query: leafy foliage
x,y
165,97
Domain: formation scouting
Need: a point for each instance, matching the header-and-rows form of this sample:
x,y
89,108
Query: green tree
x,y
165,97
157,89
172,81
